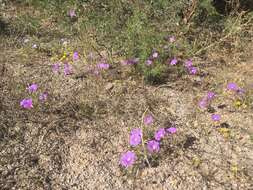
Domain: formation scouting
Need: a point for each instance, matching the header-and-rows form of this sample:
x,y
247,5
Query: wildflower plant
x,y
127,159
143,146
27,103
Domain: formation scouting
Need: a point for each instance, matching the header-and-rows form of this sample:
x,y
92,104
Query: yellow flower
x,y
238,103
225,132
234,169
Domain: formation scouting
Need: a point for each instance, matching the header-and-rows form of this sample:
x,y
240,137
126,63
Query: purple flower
x,y
149,62
32,88
135,137
102,66
26,40
193,70
128,158
173,61
27,103
160,134
34,46
56,68
124,62
172,130
148,120
188,63
131,61
153,146
172,39
43,96
75,56
216,117
241,91
203,103
232,86
67,69
96,72
210,95
155,55
72,13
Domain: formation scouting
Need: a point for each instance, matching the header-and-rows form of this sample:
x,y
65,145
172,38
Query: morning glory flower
x,y
131,61
241,91
26,103
203,103
210,95
72,13
173,61
160,134
155,55
43,96
148,120
67,69
149,62
172,39
127,159
56,67
153,146
188,63
26,40
232,86
171,130
193,70
216,117
32,88
135,137
103,66
75,56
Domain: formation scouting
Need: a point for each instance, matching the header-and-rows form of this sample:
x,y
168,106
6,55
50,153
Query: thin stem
x,y
142,141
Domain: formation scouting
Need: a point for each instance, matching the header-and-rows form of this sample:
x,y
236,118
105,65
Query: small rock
x,y
109,86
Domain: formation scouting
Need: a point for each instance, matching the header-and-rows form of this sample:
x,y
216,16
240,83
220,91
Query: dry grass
x,y
74,140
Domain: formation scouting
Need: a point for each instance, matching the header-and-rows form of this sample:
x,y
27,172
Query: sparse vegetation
x,y
131,94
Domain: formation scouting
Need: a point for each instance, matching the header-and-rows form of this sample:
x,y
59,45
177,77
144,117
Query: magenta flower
x,y
210,95
72,13
56,68
241,91
153,146
96,72
26,40
149,62
26,103
188,63
32,88
172,39
131,61
173,61
193,70
155,55
75,56
172,130
148,120
43,96
216,117
232,86
203,103
127,159
135,137
103,66
160,134
67,69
